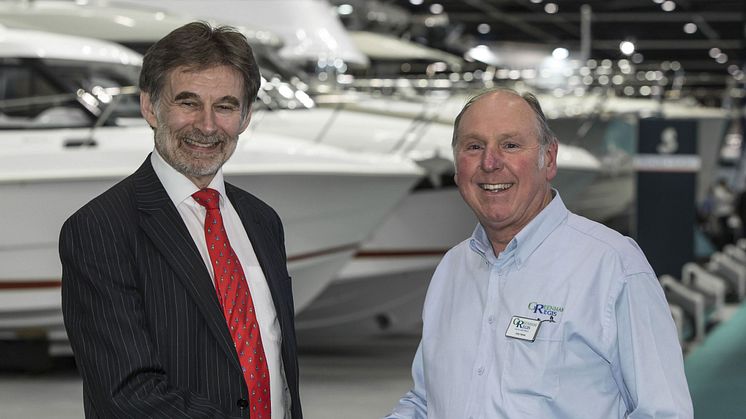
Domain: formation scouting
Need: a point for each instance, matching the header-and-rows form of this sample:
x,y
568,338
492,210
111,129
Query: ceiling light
x,y
675,65
344,9
560,53
416,2
637,58
436,8
551,8
690,28
658,1
536,1
668,6
629,90
714,52
627,47
722,58
483,28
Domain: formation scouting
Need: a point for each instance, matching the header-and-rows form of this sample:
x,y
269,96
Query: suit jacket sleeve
x,y
102,306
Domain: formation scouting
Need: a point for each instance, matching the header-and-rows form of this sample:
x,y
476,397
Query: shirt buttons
x,y
480,370
491,319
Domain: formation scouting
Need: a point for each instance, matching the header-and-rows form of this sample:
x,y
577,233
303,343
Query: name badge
x,y
523,328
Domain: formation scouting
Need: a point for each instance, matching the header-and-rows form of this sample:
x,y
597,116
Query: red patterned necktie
x,y
238,307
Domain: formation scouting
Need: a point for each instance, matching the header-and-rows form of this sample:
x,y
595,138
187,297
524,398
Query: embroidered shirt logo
x,y
545,309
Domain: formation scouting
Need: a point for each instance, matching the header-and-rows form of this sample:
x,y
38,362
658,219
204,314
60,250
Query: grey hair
x,y
546,136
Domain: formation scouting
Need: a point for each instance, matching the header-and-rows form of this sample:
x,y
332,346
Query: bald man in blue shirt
x,y
541,313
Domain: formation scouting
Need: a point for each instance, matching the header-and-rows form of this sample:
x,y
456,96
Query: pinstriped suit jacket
x,y
141,311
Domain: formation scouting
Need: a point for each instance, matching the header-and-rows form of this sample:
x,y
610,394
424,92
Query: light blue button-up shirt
x,y
611,352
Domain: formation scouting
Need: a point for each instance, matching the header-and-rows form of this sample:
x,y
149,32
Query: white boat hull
x,y
382,289
329,201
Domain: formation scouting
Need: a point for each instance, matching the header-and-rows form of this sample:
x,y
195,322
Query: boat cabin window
x,y
65,93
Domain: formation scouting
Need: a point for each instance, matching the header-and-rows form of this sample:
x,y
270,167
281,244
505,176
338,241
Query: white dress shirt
x,y
180,190
607,346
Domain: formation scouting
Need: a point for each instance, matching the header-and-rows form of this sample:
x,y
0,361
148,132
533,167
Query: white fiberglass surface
x,y
361,131
29,43
116,151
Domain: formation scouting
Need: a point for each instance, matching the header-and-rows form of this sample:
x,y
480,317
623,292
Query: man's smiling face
x,y
197,120
502,171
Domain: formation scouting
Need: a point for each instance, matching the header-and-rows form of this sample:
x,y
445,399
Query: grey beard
x,y
184,166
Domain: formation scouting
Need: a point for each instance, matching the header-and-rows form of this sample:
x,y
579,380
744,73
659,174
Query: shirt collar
x,y
178,187
528,239
480,244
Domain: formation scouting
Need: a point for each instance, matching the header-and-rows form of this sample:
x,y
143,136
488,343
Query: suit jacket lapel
x,y
162,223
261,240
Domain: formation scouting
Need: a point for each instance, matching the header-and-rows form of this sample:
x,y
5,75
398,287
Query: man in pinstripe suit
x,y
141,311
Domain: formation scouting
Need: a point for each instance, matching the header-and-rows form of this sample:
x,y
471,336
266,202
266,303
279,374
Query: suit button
x,y
242,403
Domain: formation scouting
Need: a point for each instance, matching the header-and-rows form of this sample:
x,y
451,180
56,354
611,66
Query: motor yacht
x,y
381,290
70,129
382,287
308,28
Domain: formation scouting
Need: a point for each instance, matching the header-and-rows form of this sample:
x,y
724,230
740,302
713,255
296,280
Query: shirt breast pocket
x,y
532,371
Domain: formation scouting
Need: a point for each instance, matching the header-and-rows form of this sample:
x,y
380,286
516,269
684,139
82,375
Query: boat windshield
x,y
53,93
50,93
276,93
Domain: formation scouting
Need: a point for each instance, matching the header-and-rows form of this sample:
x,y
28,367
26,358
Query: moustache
x,y
196,136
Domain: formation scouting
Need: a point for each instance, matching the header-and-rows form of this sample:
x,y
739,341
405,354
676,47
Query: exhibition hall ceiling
x,y
702,39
